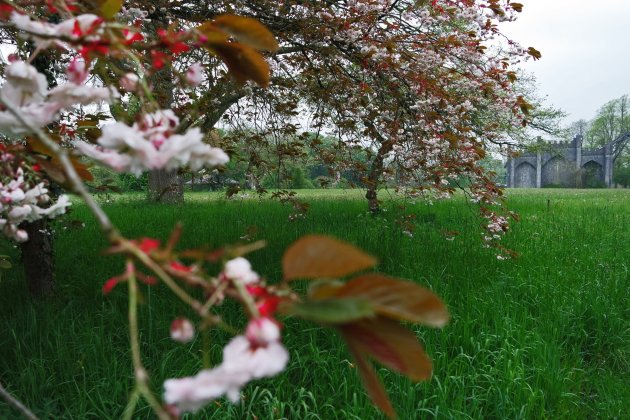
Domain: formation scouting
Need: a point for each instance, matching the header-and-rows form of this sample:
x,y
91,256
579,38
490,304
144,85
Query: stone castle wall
x,y
562,164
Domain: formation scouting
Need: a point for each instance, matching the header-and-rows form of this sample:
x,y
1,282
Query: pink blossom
x,y
262,331
194,74
152,143
72,94
239,269
80,26
25,79
57,209
86,25
241,363
38,115
192,393
26,89
182,330
129,82
19,203
260,362
33,27
77,71
19,214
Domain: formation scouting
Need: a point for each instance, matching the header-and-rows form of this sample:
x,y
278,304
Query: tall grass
x,y
545,335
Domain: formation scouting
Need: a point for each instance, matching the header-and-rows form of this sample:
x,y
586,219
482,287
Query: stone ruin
x,y
565,164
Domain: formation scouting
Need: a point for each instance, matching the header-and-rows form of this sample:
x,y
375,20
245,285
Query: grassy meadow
x,y
546,335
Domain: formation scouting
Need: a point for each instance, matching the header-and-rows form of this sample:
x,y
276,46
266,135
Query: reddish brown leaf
x,y
213,34
398,299
247,31
372,384
534,53
318,256
391,344
53,171
33,144
244,63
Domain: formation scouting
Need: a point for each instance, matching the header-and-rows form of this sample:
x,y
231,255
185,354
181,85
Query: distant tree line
x,y
611,120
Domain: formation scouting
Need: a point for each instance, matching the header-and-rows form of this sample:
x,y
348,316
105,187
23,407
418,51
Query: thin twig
x,y
73,177
139,371
15,403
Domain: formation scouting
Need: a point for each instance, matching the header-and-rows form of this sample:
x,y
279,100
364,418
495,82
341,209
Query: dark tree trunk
x,y
37,252
37,257
374,176
165,187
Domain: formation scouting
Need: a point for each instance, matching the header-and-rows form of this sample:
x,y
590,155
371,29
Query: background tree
x,y
401,78
612,119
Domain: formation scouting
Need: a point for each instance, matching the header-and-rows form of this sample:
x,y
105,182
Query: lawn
x,y
546,335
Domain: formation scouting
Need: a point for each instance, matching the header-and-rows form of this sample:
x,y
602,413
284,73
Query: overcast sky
x,y
585,48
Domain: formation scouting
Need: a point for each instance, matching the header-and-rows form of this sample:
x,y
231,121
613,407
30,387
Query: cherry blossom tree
x,y
426,88
44,130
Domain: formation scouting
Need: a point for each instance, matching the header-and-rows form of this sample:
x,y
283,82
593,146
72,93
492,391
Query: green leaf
x,y
5,262
109,8
331,311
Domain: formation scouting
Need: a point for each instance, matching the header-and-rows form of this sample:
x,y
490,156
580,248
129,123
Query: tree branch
x,y
15,403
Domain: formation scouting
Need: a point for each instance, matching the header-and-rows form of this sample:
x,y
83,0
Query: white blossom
x,y
239,269
151,143
242,362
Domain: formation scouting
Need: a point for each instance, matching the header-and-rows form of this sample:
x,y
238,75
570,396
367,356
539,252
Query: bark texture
x,y
374,176
37,252
37,257
165,187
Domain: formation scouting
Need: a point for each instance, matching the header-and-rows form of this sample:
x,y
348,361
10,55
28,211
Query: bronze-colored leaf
x,y
318,256
52,170
79,167
35,145
372,384
82,170
397,299
391,344
213,34
244,63
247,31
534,53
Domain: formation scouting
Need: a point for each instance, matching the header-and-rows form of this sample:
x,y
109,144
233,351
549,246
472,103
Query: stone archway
x,y
558,172
592,175
525,176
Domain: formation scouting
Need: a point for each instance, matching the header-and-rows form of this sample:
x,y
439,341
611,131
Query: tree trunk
x,y
37,252
37,257
165,187
374,176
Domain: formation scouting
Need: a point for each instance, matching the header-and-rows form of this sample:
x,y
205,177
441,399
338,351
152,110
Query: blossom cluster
x,y
256,354
152,143
26,89
21,201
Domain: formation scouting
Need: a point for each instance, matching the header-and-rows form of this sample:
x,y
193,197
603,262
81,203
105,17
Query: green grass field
x,y
544,336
